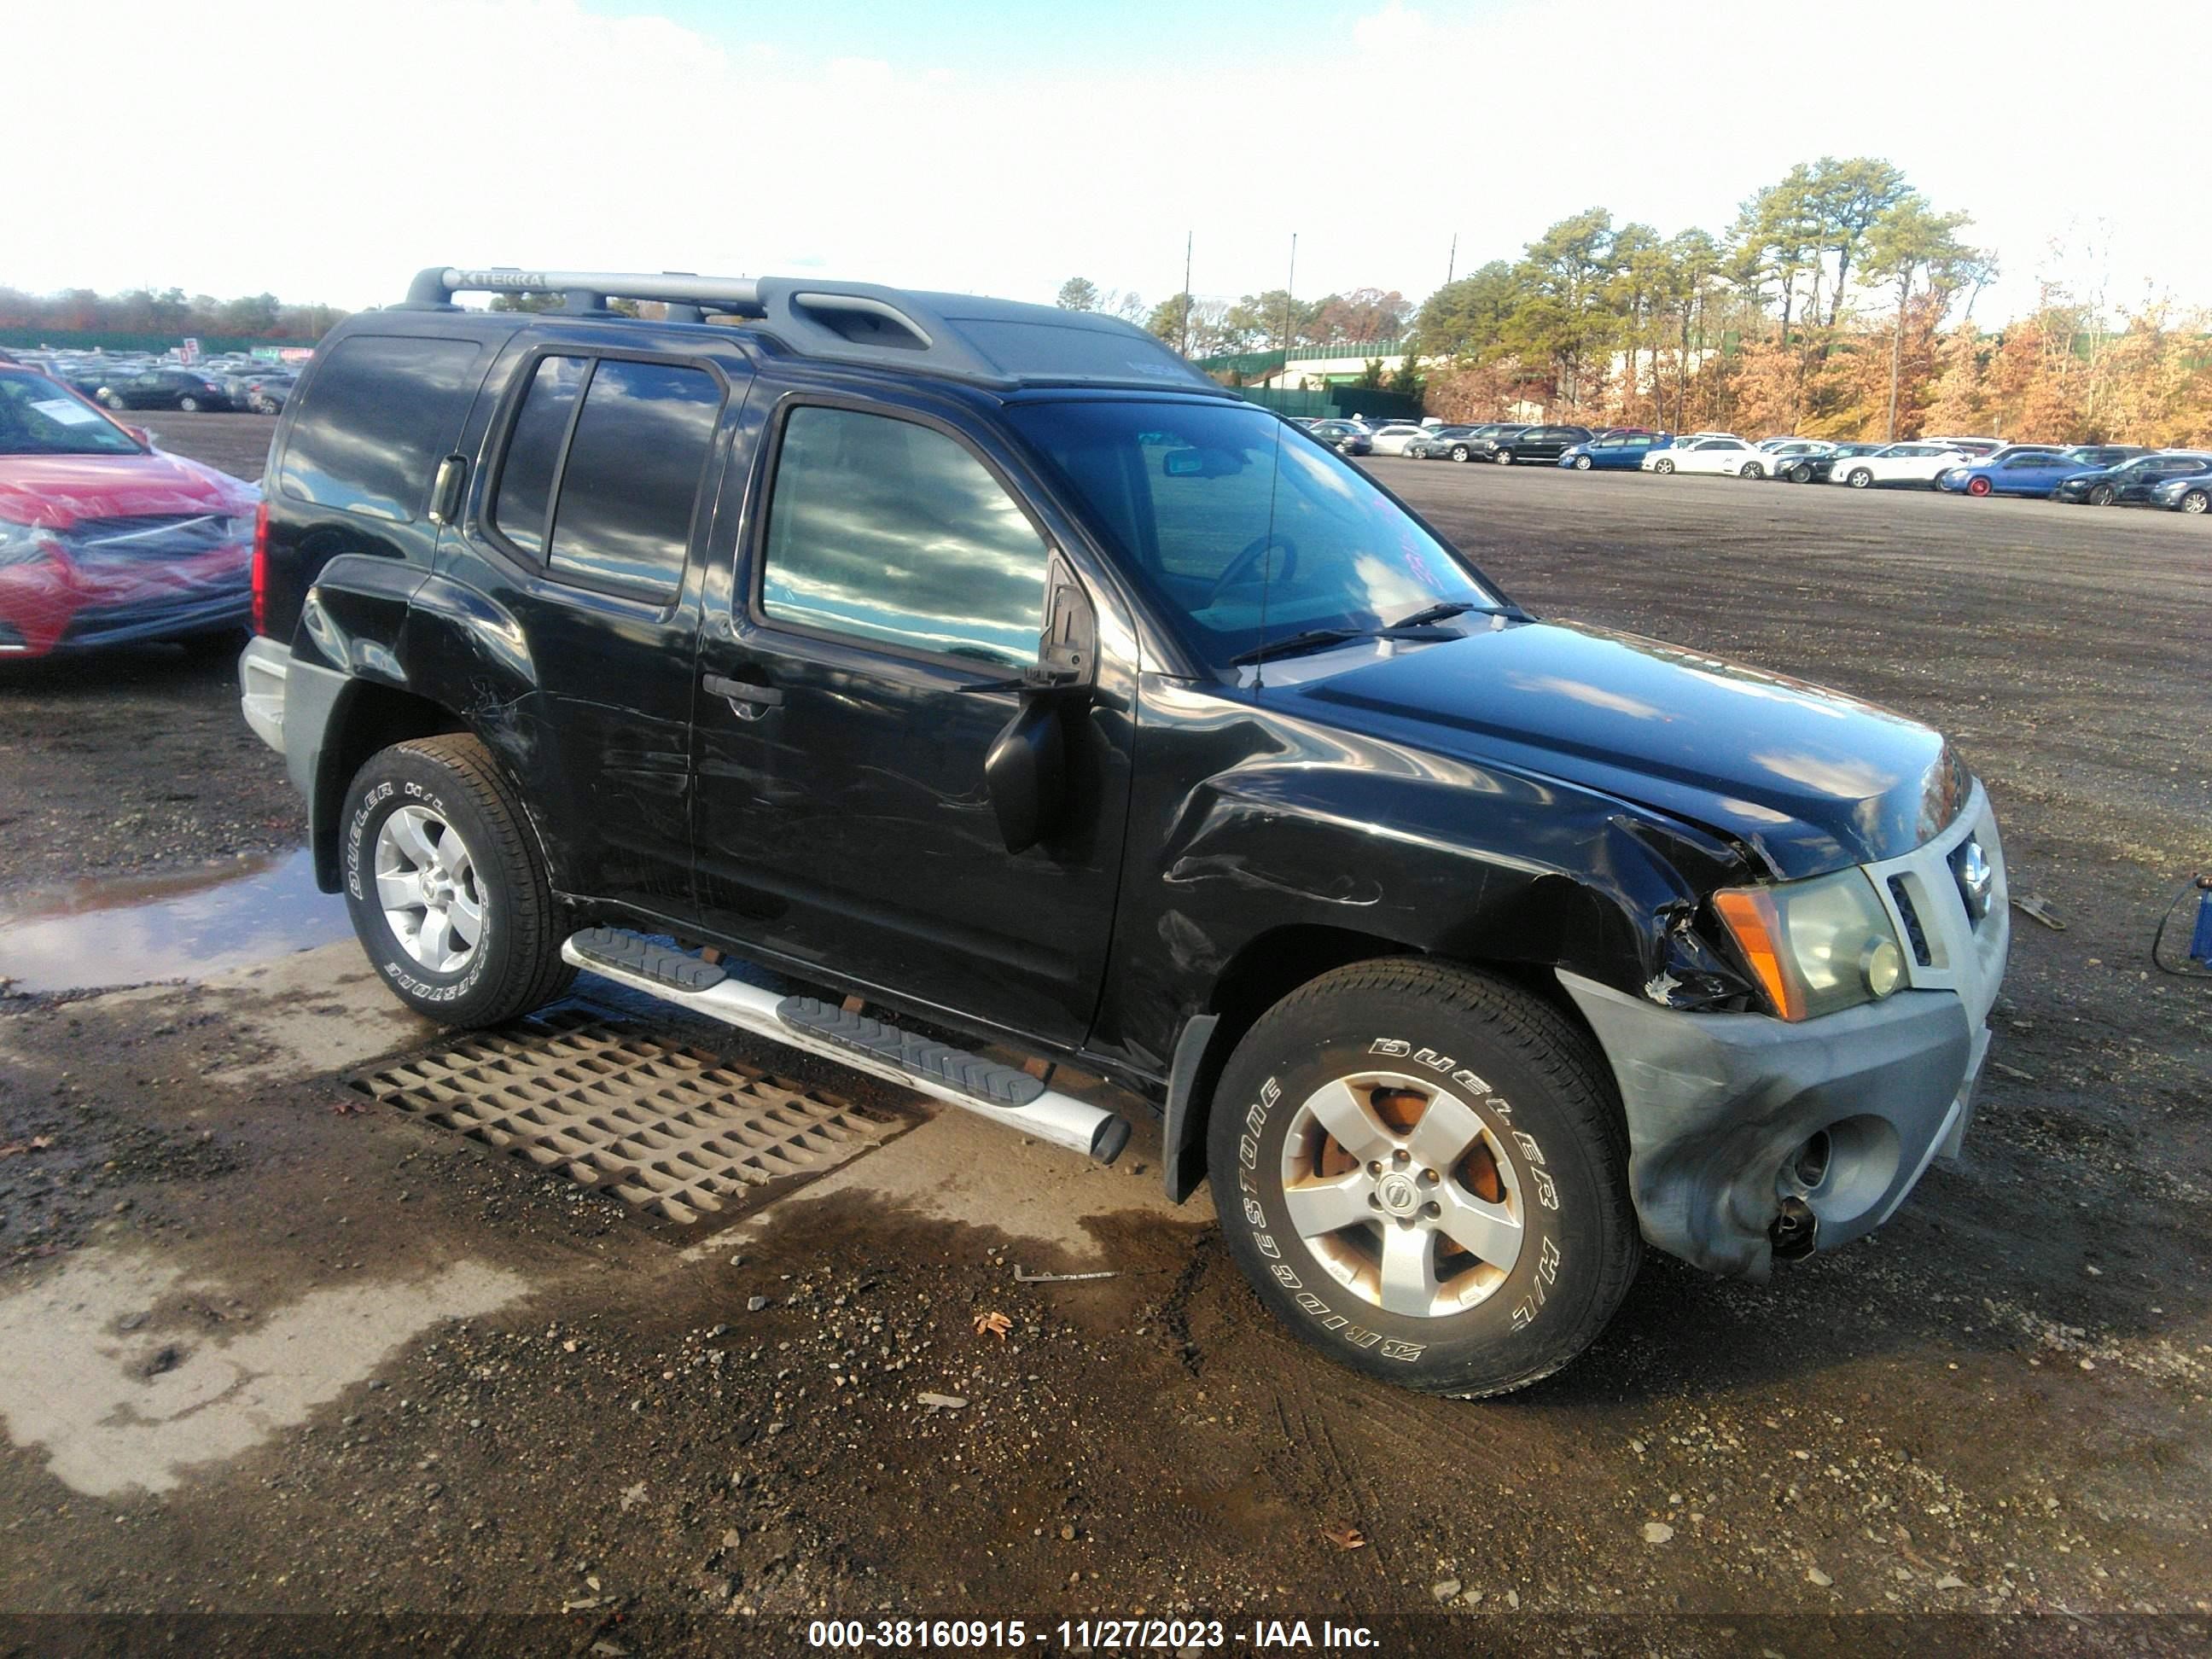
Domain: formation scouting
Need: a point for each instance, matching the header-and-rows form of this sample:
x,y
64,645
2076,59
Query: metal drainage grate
x,y
676,1131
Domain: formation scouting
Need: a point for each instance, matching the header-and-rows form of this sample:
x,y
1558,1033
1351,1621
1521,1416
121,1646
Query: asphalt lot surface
x,y
261,1350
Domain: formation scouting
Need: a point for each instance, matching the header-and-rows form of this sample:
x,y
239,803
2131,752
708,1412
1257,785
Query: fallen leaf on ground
x,y
349,1108
1346,1538
35,1143
994,1324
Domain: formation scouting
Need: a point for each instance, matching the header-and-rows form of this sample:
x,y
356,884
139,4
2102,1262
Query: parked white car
x,y
1392,440
1899,464
1730,457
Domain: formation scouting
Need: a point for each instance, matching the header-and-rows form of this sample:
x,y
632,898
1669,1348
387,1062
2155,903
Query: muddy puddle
x,y
131,929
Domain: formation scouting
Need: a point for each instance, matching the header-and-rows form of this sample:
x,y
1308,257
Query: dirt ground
x,y
263,1352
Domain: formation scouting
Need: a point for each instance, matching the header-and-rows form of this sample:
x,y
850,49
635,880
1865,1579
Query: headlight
x,y
1815,946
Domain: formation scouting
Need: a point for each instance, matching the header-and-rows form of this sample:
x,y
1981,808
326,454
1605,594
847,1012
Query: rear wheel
x,y
112,400
446,886
1423,1172
1752,470
2196,501
189,405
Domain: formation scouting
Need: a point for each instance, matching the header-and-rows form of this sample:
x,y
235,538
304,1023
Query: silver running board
x,y
863,1045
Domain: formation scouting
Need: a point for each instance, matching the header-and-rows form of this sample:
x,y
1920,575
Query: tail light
x,y
261,569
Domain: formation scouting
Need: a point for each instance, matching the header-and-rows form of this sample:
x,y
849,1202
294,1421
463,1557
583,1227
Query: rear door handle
x,y
743,691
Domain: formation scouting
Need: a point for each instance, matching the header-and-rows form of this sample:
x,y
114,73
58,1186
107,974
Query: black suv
x,y
985,665
1538,443
164,388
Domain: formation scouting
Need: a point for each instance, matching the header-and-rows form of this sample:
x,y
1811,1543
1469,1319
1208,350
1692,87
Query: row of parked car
x,y
2097,475
231,381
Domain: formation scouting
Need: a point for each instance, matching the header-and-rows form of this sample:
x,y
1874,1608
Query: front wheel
x,y
1503,458
112,400
1423,1171
448,893
1859,478
1582,463
189,405
1662,466
2196,501
2101,495
1979,486
1458,452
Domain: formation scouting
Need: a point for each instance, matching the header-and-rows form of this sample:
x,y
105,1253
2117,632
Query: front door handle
x,y
745,697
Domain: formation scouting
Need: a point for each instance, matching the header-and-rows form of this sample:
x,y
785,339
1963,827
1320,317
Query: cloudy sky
x,y
323,151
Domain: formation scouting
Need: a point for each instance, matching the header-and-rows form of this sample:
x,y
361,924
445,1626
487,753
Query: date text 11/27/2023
x,y
1260,1636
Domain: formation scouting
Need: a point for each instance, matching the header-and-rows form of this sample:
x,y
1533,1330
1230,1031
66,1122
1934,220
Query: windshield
x,y
40,416
1241,527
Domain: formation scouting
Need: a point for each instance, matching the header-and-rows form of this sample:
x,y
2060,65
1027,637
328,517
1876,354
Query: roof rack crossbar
x,y
738,297
999,344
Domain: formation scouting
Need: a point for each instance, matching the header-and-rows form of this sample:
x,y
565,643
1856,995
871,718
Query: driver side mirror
x,y
1029,768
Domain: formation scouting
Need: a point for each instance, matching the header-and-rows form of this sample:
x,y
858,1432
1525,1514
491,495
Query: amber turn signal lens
x,y
1752,920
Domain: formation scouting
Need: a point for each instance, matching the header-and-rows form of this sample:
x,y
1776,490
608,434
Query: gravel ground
x,y
1996,1407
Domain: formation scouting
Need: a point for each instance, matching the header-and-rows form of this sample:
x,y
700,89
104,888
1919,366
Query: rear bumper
x,y
1720,1106
263,673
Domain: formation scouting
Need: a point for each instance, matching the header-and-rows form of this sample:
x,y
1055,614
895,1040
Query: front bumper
x,y
1720,1106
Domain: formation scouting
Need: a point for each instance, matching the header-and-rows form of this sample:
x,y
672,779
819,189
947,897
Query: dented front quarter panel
x,y
1248,818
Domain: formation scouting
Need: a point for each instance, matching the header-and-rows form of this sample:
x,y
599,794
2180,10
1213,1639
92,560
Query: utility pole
x,y
1289,288
1188,237
1451,263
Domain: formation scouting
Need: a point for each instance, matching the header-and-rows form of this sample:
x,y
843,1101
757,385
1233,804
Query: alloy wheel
x,y
1403,1194
426,881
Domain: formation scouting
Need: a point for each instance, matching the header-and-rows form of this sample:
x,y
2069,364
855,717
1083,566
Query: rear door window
x,y
601,476
380,411
629,487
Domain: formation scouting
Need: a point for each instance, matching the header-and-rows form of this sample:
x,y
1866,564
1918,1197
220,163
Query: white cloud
x,y
400,133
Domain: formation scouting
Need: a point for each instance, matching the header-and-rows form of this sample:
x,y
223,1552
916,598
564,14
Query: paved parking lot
x,y
267,1345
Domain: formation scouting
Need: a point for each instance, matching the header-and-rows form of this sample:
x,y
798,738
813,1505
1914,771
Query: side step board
x,y
1002,1093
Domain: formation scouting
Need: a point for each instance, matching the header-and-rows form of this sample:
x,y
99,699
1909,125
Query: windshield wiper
x,y
1320,639
1293,645
1445,611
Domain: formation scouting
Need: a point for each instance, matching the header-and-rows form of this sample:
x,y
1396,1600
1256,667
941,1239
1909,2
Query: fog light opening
x,y
1809,1165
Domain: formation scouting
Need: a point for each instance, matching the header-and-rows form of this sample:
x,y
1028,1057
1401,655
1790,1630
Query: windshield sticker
x,y
62,412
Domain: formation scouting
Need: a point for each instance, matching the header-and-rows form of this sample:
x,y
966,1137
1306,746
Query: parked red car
x,y
103,539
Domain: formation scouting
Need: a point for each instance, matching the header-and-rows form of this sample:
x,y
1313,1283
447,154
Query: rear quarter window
x,y
380,411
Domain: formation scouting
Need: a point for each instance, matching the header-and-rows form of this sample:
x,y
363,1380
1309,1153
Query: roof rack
x,y
1000,344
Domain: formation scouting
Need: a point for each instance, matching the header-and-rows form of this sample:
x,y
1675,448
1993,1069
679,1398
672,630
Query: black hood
x,y
1812,779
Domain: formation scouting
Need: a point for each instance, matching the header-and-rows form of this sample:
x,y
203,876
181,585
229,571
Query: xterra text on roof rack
x,y
986,662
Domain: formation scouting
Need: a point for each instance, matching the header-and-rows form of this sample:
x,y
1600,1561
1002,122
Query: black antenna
x,y
1188,238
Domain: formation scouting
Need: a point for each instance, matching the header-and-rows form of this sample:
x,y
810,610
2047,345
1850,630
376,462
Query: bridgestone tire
x,y
516,966
1541,1093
